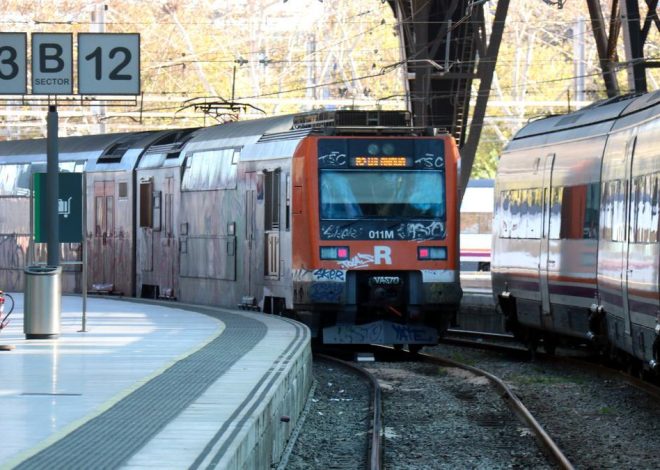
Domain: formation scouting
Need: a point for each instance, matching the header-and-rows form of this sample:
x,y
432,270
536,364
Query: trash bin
x,y
43,302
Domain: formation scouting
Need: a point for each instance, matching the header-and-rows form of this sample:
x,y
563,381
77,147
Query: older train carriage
x,y
575,232
19,160
109,232
157,228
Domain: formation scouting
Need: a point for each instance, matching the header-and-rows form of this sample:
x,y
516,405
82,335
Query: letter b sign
x,y
52,63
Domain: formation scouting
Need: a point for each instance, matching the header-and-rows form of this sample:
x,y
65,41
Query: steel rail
x,y
521,411
374,456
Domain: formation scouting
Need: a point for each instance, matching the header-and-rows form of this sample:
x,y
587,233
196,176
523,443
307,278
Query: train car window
x,y
555,212
579,212
146,204
272,200
516,215
100,225
505,214
592,215
157,200
123,190
607,209
15,180
210,170
520,214
287,213
619,197
533,213
644,211
110,215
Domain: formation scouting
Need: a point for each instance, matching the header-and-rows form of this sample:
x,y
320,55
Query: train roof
x,y
79,148
238,134
592,120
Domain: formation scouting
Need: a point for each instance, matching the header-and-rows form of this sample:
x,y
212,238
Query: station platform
x,y
152,385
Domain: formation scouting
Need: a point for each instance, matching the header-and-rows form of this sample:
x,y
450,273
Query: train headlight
x,y
431,253
335,253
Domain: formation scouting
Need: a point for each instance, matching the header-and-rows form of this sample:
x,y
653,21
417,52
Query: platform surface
x,y
149,386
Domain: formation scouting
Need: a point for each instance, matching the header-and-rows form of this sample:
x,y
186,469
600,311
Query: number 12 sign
x,y
108,64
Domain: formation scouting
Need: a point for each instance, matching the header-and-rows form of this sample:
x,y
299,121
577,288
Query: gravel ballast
x,y
436,417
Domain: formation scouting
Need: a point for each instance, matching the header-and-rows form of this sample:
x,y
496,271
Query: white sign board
x,y
13,63
108,64
52,64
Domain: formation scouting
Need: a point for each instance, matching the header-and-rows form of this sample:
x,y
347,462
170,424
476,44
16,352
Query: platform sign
x,y
108,64
52,63
13,63
69,208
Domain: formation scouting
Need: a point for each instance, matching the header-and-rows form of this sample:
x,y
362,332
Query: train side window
x,y
505,214
620,189
644,217
100,216
533,213
607,210
287,214
637,210
579,212
146,205
110,212
555,213
272,199
592,212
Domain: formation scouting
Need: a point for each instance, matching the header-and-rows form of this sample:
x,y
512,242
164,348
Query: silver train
x,y
576,240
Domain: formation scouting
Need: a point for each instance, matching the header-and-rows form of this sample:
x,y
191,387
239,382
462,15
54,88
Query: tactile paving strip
x,y
111,438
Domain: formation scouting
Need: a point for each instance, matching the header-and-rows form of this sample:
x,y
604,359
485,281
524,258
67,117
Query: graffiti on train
x,y
326,292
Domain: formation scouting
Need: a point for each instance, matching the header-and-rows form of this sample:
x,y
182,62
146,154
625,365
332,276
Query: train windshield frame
x,y
367,194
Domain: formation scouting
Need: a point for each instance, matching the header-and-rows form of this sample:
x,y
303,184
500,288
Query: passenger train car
x,y
347,220
576,244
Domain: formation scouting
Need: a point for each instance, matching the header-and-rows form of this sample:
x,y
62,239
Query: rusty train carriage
x,y
347,220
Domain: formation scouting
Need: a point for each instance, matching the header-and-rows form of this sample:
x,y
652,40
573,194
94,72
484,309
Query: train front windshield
x,y
382,193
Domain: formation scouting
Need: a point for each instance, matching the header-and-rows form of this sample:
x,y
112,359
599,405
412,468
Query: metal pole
x,y
84,254
52,188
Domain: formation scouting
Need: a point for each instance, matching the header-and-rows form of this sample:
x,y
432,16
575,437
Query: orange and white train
x,y
347,220
576,236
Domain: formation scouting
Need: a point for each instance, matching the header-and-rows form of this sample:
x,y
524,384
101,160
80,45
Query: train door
x,y
628,201
272,223
545,263
103,266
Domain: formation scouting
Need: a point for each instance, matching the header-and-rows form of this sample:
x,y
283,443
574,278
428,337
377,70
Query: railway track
x,y
549,447
440,411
